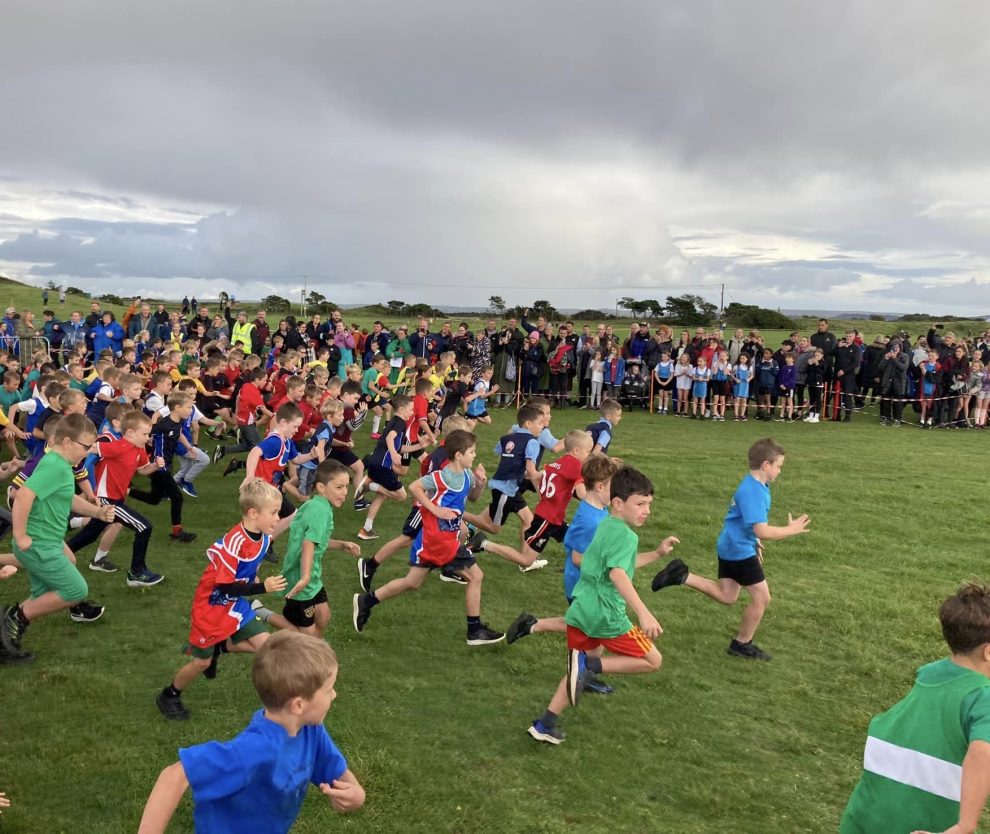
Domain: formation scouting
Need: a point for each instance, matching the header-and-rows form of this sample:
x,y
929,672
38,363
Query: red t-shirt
x,y
421,410
119,461
249,400
307,425
557,487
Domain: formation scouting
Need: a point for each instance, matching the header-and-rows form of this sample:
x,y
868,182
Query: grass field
x,y
436,730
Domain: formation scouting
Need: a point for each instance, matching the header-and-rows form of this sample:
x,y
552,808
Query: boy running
x,y
598,617
740,548
222,618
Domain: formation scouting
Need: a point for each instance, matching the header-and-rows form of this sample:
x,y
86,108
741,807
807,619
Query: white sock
x,y
376,424
101,555
360,487
369,523
374,487
75,522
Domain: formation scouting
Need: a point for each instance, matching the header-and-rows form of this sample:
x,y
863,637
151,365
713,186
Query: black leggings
x,y
123,515
162,486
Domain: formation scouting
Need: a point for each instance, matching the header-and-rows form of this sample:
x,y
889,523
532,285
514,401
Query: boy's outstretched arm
x,y
647,622
975,789
165,797
345,794
663,549
766,532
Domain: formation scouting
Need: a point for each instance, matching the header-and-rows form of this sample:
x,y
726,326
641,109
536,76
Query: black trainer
x,y
476,543
448,574
483,636
598,686
11,631
675,572
521,626
232,466
171,707
85,613
366,572
12,659
748,650
218,453
362,610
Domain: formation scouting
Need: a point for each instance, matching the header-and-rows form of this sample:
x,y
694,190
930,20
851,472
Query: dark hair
x,y
330,469
598,469
765,450
287,412
423,386
965,618
628,482
401,401
458,441
350,387
527,414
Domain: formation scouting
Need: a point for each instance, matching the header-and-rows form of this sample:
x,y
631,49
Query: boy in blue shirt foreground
x,y
258,780
740,548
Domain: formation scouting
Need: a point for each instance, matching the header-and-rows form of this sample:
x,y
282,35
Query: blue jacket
x,y
614,373
107,336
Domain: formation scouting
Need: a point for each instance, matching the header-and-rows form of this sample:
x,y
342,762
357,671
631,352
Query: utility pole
x,y
302,301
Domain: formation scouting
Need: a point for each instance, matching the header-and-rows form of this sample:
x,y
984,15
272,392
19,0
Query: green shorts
x,y
245,632
50,570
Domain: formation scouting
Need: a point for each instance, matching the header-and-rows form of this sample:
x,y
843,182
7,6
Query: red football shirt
x,y
119,461
249,400
557,487
421,410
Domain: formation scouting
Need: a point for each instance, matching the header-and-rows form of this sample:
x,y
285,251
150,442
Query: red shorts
x,y
634,643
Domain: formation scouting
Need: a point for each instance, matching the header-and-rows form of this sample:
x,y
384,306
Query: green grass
x,y
436,730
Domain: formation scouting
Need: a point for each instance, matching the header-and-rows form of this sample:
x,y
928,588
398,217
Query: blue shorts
x,y
384,477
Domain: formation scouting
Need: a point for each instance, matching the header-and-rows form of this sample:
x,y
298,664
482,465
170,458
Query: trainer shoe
x,y
598,686
218,453
550,735
232,466
188,489
577,675
11,631
362,610
521,626
477,541
360,505
448,575
144,579
85,613
171,707
538,564
365,573
183,536
483,636
367,535
103,565
376,435
675,572
748,650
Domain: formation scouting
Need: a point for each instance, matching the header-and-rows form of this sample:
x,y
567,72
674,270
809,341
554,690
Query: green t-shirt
x,y
8,398
598,608
371,375
53,482
313,522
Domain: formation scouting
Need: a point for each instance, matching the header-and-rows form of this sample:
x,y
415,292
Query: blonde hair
x,y
291,665
331,406
577,439
455,423
256,495
351,369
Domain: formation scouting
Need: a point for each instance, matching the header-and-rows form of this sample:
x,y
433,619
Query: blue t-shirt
x,y
750,505
478,405
578,537
533,453
258,780
323,432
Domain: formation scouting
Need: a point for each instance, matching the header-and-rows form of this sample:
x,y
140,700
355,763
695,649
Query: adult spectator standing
x,y
29,337
108,334
344,341
44,296
185,305
144,320
506,349
95,316
161,315
218,329
61,295
202,317
445,338
827,343
75,333
735,346
396,351
51,329
317,330
376,343
261,327
846,368
423,343
244,332
462,343
893,384
481,354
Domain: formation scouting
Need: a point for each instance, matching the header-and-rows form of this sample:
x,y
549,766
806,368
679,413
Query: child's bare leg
x,y
249,646
472,591
410,582
482,521
621,665
725,591
390,548
550,624
510,554
9,560
759,599
110,536
358,469
48,603
188,673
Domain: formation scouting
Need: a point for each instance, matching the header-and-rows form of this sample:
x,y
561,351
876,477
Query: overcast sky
x,y
827,156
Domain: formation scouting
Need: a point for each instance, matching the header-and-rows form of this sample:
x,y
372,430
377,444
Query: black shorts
x,y
344,456
721,387
287,508
413,523
383,476
541,531
502,506
745,572
765,390
302,612
477,416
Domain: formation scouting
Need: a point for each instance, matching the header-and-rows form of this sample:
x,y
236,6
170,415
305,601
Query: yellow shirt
x,y
200,388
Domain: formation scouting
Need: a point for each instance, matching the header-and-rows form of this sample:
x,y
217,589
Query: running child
x,y
518,454
477,408
222,617
740,548
40,516
343,445
610,413
250,405
332,412
598,616
375,387
306,607
560,480
258,780
442,495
